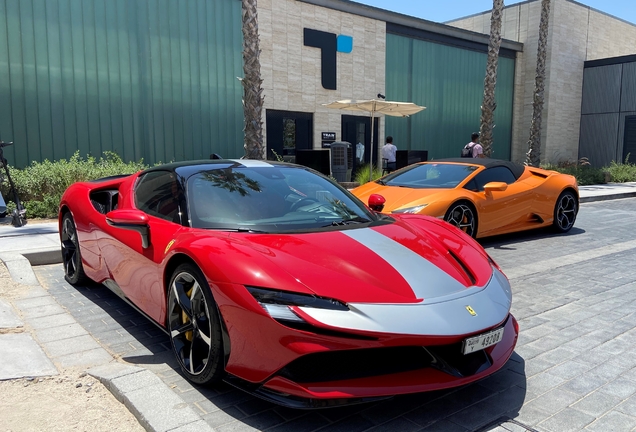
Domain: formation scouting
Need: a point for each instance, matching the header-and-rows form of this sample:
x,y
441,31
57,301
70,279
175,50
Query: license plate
x,y
482,341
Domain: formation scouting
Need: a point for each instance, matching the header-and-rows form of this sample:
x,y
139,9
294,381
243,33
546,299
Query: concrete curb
x,y
607,197
43,256
150,400
19,268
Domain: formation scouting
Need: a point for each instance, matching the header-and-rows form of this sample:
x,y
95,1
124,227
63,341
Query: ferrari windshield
x,y
270,198
429,175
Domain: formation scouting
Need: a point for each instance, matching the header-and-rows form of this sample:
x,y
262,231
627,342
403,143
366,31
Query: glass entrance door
x,y
357,131
288,131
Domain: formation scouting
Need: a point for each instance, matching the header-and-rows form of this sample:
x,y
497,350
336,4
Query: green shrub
x,y
40,185
362,174
622,172
585,173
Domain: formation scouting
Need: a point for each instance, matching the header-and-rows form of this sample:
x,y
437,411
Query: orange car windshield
x,y
429,175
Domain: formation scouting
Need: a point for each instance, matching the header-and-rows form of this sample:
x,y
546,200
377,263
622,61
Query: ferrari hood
x,y
392,263
399,197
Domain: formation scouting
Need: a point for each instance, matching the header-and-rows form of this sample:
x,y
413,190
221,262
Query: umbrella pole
x,y
371,154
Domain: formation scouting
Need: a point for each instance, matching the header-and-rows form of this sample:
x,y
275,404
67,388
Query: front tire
x,y
565,211
194,326
464,217
71,256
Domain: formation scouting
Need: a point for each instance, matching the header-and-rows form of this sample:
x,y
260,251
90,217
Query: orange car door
x,y
502,210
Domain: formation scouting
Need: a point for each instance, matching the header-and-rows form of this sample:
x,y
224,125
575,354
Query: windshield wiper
x,y
381,182
355,220
250,230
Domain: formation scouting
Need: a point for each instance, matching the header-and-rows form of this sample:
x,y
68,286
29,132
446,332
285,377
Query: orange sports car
x,y
483,197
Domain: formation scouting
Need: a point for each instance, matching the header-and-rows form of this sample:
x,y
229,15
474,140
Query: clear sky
x,y
446,10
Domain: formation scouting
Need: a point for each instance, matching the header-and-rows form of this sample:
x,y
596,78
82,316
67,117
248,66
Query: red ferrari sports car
x,y
279,281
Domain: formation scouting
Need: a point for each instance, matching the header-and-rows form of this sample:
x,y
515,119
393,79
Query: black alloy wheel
x,y
565,211
463,217
71,257
194,326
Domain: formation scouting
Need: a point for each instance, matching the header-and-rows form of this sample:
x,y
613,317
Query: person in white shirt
x,y
388,152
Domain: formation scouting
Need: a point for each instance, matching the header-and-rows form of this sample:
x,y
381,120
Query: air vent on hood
x,y
464,267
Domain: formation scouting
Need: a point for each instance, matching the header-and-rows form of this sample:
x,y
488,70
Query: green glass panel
x,y
449,82
152,79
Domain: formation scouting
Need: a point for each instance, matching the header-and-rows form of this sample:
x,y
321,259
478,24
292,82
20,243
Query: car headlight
x,y
415,209
278,304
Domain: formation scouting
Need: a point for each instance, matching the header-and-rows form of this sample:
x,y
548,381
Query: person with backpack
x,y
473,148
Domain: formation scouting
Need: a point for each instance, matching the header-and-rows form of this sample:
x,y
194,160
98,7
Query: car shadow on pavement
x,y
128,335
504,240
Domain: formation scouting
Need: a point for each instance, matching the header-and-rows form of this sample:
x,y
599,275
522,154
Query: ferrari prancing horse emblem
x,y
168,247
471,311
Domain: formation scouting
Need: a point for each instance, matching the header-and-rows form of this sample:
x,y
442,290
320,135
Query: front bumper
x,y
324,363
436,368
342,377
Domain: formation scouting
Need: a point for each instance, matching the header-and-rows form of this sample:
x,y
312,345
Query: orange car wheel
x,y
565,210
463,216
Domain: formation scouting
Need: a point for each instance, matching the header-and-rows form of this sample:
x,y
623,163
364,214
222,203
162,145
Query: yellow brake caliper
x,y
185,319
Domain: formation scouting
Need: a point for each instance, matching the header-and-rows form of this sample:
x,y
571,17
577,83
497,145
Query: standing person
x,y
473,148
388,153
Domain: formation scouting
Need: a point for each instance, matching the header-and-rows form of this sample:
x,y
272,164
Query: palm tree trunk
x,y
252,83
533,157
490,81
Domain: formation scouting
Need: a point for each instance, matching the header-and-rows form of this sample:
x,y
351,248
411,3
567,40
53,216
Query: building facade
x,y
157,79
608,110
151,79
403,58
577,33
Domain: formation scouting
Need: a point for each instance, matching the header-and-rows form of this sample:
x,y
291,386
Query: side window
x,y
495,174
158,193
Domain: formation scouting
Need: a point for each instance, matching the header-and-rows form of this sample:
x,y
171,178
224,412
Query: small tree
x,y
489,105
252,83
533,156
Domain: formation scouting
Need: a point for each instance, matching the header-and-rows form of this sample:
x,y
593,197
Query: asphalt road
x,y
574,367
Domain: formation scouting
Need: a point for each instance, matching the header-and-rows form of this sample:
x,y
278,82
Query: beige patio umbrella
x,y
373,106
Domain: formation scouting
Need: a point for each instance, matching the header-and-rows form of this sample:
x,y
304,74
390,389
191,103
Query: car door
x,y
499,211
136,270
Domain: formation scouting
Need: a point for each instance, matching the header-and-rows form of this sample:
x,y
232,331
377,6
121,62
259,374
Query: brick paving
x,y
574,367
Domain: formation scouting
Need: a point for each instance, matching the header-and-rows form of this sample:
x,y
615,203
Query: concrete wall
x,y
576,33
291,71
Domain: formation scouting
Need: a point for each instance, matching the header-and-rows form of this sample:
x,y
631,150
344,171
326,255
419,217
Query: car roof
x,y
517,169
187,168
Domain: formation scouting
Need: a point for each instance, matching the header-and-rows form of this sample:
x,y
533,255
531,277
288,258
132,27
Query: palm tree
x,y
533,156
252,83
490,81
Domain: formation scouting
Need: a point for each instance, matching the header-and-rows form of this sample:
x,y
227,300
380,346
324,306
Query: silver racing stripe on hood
x,y
490,304
425,278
